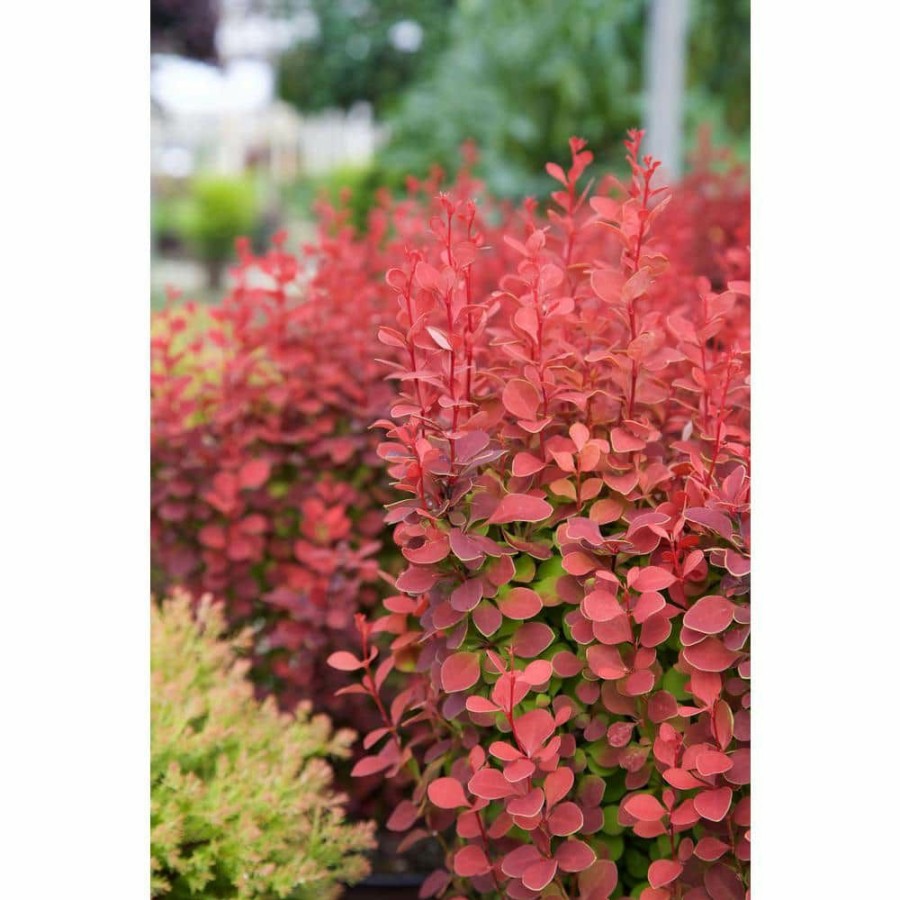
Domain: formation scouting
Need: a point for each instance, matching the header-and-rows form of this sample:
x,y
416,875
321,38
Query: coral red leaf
x,y
471,861
254,473
623,441
460,671
489,784
599,880
710,614
644,807
528,806
537,672
344,661
710,849
517,861
710,655
557,784
653,578
574,856
663,872
520,603
565,819
525,464
712,762
713,805
435,883
601,605
487,618
648,604
481,705
533,728
466,596
520,508
640,682
655,630
403,817
447,793
662,706
518,770
538,875
369,765
682,779
531,639
521,399
606,662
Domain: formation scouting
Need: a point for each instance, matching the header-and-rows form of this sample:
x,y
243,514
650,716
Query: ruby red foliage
x,y
265,486
570,632
267,490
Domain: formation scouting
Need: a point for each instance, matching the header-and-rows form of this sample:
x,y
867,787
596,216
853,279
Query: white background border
x,y
74,366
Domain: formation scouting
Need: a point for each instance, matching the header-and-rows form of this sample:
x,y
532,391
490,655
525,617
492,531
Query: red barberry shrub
x,y
265,480
569,634
267,491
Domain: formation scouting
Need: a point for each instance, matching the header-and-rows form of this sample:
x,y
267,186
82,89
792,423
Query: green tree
x,y
363,51
520,77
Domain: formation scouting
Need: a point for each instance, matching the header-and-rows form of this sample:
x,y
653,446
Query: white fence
x,y
278,138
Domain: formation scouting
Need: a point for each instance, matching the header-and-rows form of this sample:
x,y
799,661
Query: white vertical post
x,y
664,56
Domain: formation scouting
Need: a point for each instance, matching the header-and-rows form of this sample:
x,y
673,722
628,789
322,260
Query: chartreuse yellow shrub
x,y
241,803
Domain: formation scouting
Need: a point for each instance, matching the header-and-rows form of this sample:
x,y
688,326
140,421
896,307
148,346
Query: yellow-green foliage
x,y
241,802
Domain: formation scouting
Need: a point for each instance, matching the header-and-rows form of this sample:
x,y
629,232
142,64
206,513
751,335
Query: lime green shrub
x,y
218,210
241,799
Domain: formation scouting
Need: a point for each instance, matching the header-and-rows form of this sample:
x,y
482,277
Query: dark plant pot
x,y
397,887
397,875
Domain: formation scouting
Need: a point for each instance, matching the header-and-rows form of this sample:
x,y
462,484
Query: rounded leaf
x,y
533,728
601,605
644,807
403,817
521,399
531,639
517,861
520,603
489,784
471,861
652,578
710,614
447,793
538,875
254,473
713,805
528,806
663,872
520,508
344,661
710,655
565,819
460,671
574,856
536,672
557,784
709,849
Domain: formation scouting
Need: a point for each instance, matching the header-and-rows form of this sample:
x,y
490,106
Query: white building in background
x,y
227,118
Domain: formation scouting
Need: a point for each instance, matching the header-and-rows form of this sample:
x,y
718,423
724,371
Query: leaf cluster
x,y
241,797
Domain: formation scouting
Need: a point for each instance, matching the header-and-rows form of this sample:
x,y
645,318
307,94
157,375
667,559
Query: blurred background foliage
x,y
362,51
518,77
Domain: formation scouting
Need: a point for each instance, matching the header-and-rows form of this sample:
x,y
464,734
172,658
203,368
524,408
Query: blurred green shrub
x,y
218,210
241,804
362,51
354,188
520,77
